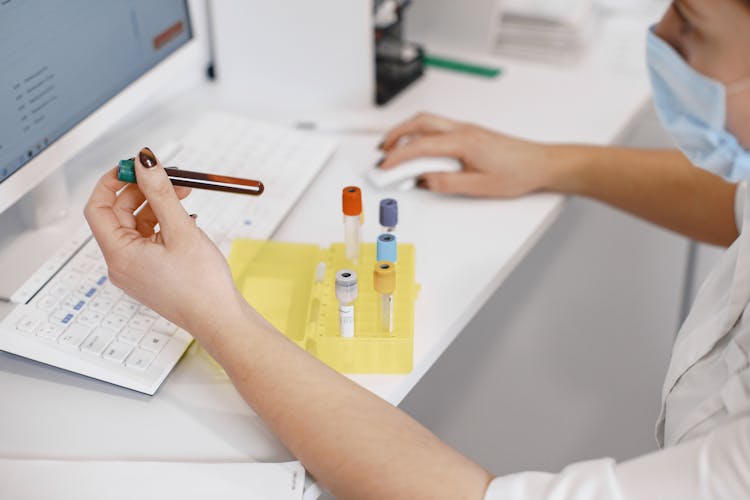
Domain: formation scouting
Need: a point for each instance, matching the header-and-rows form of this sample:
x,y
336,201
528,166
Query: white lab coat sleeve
x,y
740,196
715,466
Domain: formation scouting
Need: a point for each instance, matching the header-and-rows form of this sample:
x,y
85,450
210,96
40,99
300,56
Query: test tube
x,y
384,279
386,247
346,294
351,199
388,214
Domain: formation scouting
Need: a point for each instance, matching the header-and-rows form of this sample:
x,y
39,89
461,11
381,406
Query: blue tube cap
x,y
387,248
388,212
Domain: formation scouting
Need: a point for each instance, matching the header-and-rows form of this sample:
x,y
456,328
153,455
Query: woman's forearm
x,y
354,443
660,186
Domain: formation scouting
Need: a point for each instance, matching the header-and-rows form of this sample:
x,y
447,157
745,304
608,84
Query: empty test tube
x,y
351,200
384,280
388,214
386,247
346,294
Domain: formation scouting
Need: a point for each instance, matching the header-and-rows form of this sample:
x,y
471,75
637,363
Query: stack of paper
x,y
554,30
118,480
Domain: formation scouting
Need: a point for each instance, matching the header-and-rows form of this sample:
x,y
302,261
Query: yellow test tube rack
x,y
292,286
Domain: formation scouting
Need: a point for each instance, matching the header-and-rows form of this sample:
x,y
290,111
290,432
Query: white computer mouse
x,y
404,176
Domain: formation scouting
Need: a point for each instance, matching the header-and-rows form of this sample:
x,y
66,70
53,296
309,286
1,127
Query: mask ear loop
x,y
738,87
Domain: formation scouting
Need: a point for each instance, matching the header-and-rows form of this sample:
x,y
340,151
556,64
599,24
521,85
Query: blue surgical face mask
x,y
693,108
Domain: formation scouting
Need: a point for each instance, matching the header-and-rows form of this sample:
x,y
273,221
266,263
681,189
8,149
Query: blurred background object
x,y
554,30
295,54
398,62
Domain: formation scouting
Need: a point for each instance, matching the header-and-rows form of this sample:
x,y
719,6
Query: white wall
x,y
565,362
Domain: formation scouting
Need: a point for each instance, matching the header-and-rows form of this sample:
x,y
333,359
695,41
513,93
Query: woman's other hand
x,y
494,165
175,270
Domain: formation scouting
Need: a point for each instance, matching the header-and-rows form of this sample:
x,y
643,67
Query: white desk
x,y
197,413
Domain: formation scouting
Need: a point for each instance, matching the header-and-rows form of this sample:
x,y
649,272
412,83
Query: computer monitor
x,y
69,70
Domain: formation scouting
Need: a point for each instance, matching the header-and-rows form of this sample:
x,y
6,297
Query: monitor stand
x,y
31,230
47,203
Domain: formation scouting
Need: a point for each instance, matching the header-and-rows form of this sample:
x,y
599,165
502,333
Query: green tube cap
x,y
126,171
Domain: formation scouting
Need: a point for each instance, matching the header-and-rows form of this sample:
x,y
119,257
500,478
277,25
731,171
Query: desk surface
x,y
197,414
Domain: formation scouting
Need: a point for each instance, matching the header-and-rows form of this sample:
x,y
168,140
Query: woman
x,y
358,446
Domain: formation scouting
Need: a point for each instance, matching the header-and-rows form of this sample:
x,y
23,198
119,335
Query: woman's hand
x,y
177,270
347,437
494,165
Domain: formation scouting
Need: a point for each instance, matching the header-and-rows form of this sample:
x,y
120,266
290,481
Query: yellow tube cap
x,y
384,277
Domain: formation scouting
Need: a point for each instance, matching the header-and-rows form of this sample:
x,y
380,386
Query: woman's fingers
x,y
429,145
464,183
146,220
182,191
126,203
99,211
423,123
130,199
161,195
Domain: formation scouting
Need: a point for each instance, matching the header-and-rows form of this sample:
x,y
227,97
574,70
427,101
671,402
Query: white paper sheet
x,y
117,480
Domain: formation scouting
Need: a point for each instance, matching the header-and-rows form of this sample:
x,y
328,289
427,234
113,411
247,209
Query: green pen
x,y
463,67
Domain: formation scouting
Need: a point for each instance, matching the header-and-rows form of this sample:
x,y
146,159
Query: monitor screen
x,y
60,61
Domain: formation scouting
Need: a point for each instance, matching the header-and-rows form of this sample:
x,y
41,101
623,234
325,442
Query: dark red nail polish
x,y
380,162
147,158
421,183
380,146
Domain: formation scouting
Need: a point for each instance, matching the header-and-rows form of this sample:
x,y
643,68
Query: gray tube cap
x,y
346,285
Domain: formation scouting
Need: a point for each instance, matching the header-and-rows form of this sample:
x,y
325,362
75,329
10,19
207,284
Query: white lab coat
x,y
705,417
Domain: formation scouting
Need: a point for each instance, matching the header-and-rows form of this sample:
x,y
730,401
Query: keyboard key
x,y
63,314
101,304
27,324
117,351
114,322
97,341
125,308
50,331
83,288
93,252
140,359
131,299
93,275
131,335
72,300
154,342
164,326
148,311
110,292
59,290
90,318
70,279
58,314
82,265
74,335
48,302
141,322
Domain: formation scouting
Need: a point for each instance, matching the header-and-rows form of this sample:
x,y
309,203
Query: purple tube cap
x,y
388,212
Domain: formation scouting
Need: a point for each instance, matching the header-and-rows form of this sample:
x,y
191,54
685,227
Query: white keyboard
x,y
70,316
